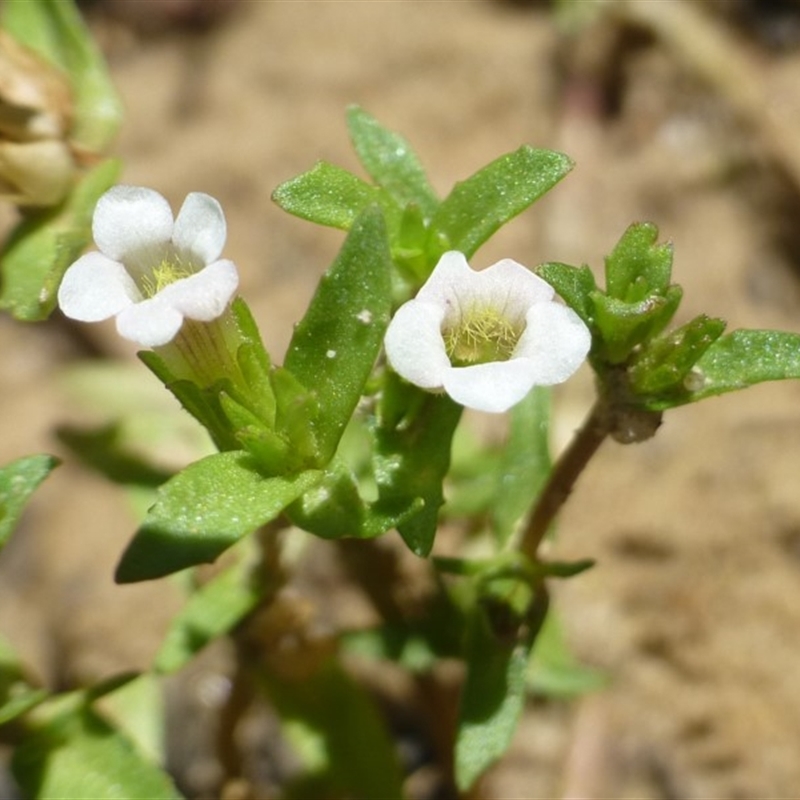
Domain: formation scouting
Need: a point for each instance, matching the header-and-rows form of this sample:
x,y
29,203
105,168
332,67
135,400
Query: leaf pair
x,y
420,226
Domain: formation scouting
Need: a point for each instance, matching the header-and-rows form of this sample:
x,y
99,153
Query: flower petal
x,y
555,340
204,295
95,288
493,387
414,344
132,224
511,289
150,323
200,229
506,286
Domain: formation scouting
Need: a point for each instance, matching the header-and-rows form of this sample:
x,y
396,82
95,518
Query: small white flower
x,y
486,338
151,272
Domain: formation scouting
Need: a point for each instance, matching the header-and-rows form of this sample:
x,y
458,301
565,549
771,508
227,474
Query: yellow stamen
x,y
482,335
164,274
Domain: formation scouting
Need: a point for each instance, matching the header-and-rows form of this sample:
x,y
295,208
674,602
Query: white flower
x,y
486,338
151,272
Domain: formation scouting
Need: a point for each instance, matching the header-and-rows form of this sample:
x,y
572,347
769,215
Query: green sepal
x,y
327,195
47,241
637,267
576,285
18,481
334,508
623,325
335,345
665,362
479,205
412,457
56,31
296,418
202,404
203,510
390,162
254,362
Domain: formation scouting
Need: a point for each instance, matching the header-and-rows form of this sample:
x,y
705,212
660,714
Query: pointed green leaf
x,y
46,242
638,267
742,358
327,195
335,346
553,670
525,463
56,31
204,510
104,449
494,693
412,459
339,735
17,695
391,162
211,611
478,206
18,480
78,754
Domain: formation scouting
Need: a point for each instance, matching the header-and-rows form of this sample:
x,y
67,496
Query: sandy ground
x,y
694,605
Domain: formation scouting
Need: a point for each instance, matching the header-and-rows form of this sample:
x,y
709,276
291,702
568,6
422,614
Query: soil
x,y
693,607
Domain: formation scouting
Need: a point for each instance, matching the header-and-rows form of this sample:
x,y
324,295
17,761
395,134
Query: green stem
x,y
569,466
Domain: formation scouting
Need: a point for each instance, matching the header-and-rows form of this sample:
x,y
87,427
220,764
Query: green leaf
x,y
412,458
204,510
553,671
46,242
494,693
18,480
638,267
78,754
55,30
17,696
335,726
575,285
667,360
745,357
327,195
391,162
212,610
524,465
104,450
335,346
478,206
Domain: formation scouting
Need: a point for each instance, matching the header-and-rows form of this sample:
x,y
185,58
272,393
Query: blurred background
x,y
683,113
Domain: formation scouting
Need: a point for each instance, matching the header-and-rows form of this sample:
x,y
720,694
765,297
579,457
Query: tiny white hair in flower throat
x,y
151,271
485,337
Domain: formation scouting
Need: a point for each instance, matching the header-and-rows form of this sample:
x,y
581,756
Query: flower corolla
x,y
151,272
485,337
